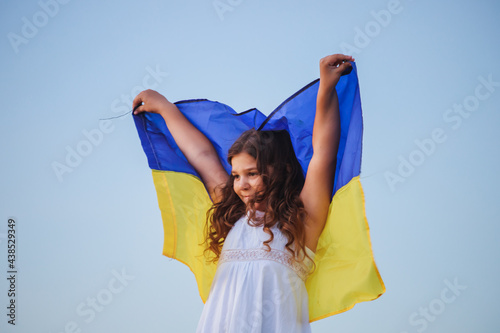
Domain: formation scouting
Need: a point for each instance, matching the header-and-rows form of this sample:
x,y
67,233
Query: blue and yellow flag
x,y
345,273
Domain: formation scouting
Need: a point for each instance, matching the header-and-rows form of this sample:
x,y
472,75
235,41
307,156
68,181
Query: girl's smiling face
x,y
247,179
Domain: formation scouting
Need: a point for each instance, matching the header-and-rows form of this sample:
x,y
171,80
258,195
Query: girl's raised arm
x,y
318,186
198,150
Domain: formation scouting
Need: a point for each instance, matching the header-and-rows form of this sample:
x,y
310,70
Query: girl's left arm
x,y
318,186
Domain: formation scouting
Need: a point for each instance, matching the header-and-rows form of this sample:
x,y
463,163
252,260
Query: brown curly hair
x,y
283,183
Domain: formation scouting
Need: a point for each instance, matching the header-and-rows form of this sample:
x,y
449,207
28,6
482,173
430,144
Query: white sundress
x,y
254,290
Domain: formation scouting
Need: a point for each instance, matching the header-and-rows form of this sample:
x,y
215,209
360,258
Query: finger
x,y
138,108
137,102
344,57
337,59
346,68
343,60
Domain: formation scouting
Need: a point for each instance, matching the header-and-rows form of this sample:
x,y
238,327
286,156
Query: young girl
x,y
266,218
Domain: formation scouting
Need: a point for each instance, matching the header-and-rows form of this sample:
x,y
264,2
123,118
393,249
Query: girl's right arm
x,y
198,150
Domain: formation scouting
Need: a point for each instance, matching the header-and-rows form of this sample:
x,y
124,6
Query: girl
x,y
266,218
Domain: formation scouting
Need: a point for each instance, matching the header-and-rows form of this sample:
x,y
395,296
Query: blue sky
x,y
89,234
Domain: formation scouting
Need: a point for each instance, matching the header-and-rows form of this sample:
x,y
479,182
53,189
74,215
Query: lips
x,y
245,198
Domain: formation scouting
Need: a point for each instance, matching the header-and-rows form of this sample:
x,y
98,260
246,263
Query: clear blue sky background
x,y
433,211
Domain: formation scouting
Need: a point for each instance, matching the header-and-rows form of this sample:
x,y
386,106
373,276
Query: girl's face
x,y
247,179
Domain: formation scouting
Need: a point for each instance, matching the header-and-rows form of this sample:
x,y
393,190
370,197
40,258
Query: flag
x,y
345,272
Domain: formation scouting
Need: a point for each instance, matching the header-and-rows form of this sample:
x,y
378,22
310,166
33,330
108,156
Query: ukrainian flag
x,y
345,273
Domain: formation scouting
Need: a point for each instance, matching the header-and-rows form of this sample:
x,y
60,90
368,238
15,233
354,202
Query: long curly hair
x,y
283,181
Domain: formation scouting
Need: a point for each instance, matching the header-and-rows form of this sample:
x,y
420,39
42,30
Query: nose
x,y
243,183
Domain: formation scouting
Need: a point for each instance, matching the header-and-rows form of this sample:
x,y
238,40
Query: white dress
x,y
255,290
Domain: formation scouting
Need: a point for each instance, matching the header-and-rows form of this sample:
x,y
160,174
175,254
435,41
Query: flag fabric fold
x,y
345,273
